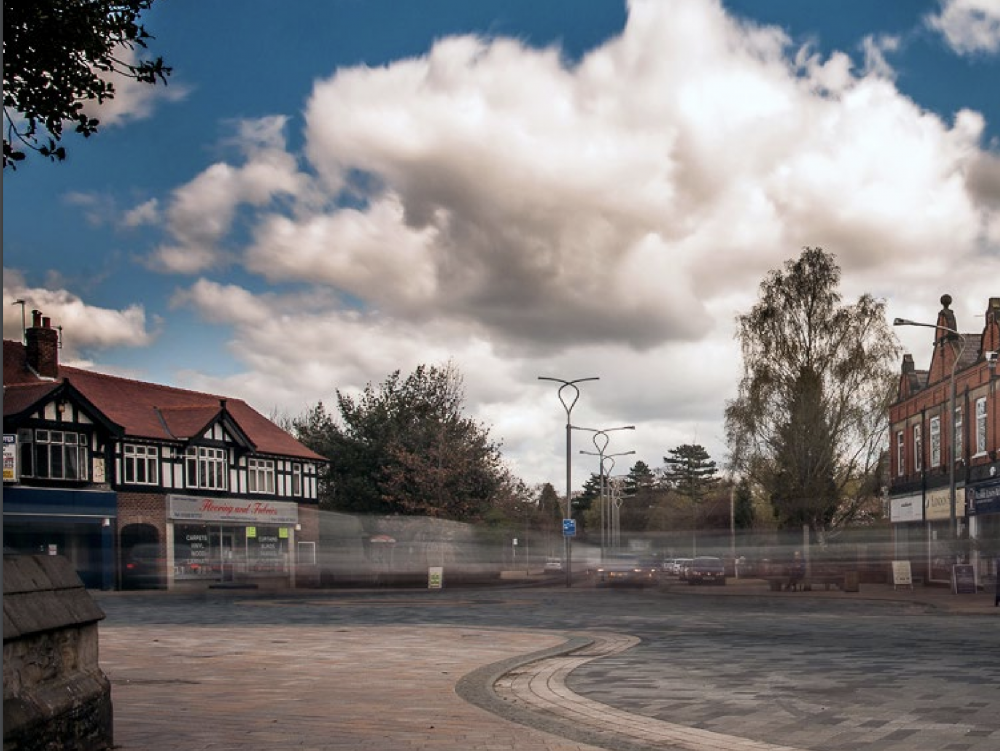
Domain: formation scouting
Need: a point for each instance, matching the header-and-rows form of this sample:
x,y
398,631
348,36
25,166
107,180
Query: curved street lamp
x,y
601,446
569,394
951,453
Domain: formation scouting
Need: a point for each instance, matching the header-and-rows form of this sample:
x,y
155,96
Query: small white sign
x,y
902,575
435,577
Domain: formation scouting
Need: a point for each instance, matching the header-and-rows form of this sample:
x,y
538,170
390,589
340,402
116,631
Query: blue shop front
x,y
77,524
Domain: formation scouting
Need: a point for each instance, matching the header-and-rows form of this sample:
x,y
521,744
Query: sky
x,y
328,192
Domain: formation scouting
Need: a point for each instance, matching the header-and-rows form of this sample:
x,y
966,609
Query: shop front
x,y
983,507
941,550
232,541
906,513
77,524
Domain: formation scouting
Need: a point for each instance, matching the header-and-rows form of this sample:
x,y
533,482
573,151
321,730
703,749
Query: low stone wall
x,y
54,693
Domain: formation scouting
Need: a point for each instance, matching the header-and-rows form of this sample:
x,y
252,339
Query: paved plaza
x,y
554,668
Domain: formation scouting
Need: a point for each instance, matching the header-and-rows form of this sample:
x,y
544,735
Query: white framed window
x,y
54,454
981,425
141,464
296,479
260,476
205,467
918,449
900,453
935,441
959,434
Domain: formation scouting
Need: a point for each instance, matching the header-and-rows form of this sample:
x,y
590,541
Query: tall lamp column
x,y
568,394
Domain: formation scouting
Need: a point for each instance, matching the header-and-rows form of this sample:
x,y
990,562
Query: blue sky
x,y
330,191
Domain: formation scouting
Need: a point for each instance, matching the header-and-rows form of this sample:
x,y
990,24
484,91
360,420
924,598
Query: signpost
x,y
569,527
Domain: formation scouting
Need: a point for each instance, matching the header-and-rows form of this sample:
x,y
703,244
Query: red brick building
x,y
929,528
147,485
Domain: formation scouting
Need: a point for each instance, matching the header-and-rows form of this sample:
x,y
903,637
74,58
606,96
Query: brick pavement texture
x,y
245,688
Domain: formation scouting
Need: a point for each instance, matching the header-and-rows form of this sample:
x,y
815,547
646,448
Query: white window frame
x,y
935,430
206,467
65,448
981,426
900,453
260,476
140,464
918,449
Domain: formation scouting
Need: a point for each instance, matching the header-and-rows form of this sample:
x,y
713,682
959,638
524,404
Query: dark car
x,y
706,570
623,571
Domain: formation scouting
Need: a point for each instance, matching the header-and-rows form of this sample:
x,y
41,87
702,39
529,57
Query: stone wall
x,y
54,693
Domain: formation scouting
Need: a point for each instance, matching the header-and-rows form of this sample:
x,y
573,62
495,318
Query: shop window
x,y
900,454
296,479
141,464
935,441
205,467
260,476
54,454
980,426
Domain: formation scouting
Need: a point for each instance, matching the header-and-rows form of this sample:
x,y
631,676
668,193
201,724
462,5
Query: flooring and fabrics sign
x,y
236,510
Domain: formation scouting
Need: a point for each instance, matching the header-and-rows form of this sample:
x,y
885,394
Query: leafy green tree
x,y
405,447
57,57
810,417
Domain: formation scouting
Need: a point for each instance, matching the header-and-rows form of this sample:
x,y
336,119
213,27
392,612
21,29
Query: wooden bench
x,y
826,577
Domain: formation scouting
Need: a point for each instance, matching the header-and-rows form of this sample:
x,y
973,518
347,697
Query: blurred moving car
x,y
624,571
553,564
680,567
706,570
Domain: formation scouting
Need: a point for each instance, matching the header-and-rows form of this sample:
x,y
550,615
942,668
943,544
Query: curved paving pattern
x,y
541,687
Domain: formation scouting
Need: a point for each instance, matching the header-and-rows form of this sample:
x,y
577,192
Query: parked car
x,y
553,564
706,570
145,567
623,571
680,567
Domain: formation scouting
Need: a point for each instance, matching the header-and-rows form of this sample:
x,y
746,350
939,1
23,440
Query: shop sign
x,y
9,457
908,508
983,498
902,574
238,510
938,504
435,577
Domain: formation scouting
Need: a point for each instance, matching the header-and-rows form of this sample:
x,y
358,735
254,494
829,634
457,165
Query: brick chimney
x,y
42,343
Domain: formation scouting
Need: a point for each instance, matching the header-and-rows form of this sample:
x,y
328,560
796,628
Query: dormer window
x,y
205,467
54,454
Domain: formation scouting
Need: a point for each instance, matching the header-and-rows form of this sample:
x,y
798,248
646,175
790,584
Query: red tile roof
x,y
147,410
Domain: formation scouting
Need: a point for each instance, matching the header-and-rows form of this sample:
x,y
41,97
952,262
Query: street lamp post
x,y
951,406
601,446
568,404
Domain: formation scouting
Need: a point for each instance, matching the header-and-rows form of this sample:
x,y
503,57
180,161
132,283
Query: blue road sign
x,y
569,527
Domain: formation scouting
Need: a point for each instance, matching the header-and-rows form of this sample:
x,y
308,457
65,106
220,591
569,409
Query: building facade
x,y
144,485
943,511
